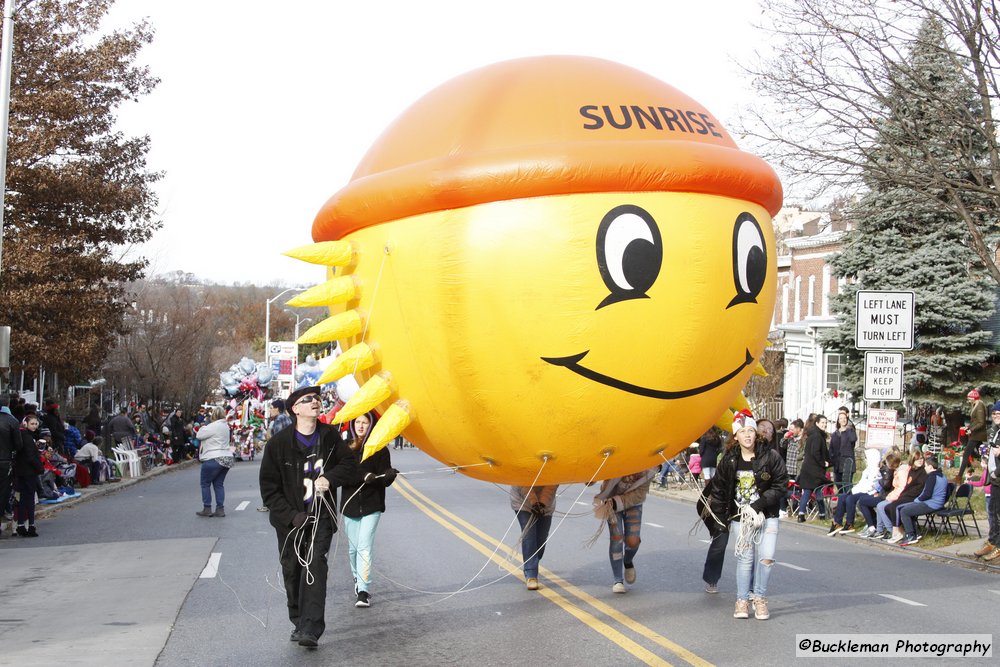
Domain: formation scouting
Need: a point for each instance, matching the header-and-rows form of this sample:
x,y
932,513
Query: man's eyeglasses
x,y
308,399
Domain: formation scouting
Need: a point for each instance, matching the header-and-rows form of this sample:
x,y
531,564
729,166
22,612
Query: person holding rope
x,y
747,492
300,465
534,506
362,504
619,503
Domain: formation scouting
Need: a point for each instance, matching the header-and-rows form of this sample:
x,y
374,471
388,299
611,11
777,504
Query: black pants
x,y
994,512
306,599
715,558
970,455
5,486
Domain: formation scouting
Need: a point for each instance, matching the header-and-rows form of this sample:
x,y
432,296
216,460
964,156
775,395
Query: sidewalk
x,y
97,491
961,551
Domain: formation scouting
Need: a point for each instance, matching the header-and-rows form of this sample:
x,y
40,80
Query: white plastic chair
x,y
130,458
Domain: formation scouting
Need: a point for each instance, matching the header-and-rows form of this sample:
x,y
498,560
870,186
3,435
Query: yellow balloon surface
x,y
513,341
557,260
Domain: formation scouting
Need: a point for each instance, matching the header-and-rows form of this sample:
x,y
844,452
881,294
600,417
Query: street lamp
x,y
298,318
267,320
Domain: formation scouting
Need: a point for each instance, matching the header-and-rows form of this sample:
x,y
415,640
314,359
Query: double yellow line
x,y
491,548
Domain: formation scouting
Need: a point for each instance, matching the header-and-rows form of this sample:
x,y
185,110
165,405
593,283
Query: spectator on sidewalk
x,y
27,468
11,450
977,433
991,548
279,418
52,421
90,455
931,499
73,439
216,456
709,446
815,461
121,428
842,444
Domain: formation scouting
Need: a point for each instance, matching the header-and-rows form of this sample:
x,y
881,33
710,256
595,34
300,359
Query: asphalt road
x,y
135,578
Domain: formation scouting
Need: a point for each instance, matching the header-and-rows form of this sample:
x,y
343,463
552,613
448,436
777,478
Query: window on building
x,y
834,367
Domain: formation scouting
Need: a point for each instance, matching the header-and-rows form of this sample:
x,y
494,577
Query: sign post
x,y
884,320
883,376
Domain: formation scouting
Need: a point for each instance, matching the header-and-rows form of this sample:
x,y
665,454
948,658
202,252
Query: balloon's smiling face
x,y
568,326
630,259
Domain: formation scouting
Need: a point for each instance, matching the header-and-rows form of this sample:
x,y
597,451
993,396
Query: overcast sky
x,y
265,108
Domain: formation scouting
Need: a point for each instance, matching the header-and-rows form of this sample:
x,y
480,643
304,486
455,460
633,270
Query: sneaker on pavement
x,y
619,587
712,588
801,519
295,636
760,610
834,529
742,609
308,640
532,583
908,540
782,514
868,533
993,555
848,529
983,550
896,539
364,600
630,574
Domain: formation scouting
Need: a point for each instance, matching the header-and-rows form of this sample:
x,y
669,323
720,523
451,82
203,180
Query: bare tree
x,y
828,86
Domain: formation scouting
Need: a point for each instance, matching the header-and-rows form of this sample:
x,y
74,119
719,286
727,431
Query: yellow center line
x,y
406,490
600,606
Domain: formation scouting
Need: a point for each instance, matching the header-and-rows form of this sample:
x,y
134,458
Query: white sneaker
x,y
712,588
782,514
619,587
630,575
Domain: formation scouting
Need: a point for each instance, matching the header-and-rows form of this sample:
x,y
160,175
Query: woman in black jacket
x,y
747,492
27,468
815,460
362,504
842,444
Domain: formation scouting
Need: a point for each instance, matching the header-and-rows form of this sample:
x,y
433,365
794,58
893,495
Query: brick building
x,y
806,242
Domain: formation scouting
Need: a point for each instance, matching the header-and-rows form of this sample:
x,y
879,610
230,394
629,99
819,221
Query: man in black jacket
x,y
299,467
11,445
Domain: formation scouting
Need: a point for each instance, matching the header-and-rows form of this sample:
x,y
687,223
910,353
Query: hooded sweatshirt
x,y
871,474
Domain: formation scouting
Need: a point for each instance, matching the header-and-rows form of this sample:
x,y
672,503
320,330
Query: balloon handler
x,y
300,465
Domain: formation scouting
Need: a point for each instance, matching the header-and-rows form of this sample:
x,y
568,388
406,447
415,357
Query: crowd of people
x,y
47,457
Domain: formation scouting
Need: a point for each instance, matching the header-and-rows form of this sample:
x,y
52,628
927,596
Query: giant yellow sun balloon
x,y
554,259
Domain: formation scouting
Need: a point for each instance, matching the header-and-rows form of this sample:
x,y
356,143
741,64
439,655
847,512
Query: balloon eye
x,y
629,253
749,259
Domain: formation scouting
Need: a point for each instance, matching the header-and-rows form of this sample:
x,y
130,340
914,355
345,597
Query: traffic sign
x,y
880,431
883,376
884,320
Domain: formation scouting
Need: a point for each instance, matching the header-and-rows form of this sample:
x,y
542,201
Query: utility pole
x,y
5,60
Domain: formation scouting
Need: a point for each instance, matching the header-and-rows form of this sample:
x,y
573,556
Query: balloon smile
x,y
572,363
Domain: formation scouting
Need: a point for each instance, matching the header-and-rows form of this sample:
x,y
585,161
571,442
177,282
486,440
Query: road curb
x,y
92,492
690,496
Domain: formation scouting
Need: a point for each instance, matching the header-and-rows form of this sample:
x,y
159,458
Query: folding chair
x,y
959,509
930,520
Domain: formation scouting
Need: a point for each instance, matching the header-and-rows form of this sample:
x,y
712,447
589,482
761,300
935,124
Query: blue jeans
x,y
909,511
361,547
820,502
847,508
624,527
751,573
213,475
867,504
667,468
884,522
534,534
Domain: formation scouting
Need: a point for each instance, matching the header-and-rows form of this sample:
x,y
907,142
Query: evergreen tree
x,y
907,240
78,191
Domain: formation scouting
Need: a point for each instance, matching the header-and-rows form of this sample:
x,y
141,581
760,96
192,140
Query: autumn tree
x,y
833,79
79,194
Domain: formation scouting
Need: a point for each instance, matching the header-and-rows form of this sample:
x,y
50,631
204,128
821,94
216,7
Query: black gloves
x,y
370,478
390,476
299,519
387,477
